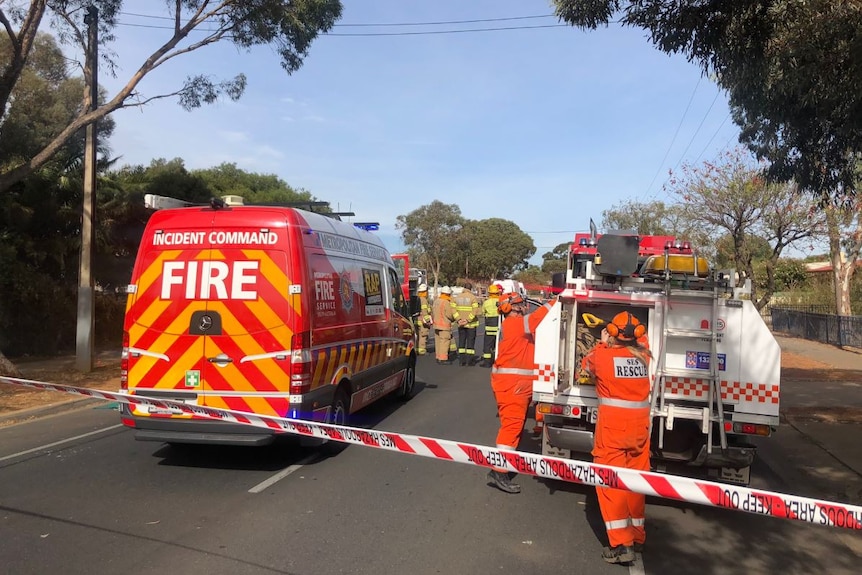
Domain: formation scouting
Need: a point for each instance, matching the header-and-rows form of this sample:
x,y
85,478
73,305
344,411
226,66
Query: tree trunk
x,y
7,367
842,266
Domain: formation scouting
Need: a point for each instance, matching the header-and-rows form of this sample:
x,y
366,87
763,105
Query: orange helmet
x,y
494,289
625,326
508,300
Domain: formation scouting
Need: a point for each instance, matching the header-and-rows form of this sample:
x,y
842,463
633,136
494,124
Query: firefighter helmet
x,y
446,290
422,287
494,289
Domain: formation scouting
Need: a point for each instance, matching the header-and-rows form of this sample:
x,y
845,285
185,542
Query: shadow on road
x,y
284,451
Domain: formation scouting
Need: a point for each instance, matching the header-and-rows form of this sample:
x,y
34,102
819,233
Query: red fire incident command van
x,y
270,310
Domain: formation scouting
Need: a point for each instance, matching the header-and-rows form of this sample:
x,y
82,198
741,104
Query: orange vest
x,y
516,345
619,374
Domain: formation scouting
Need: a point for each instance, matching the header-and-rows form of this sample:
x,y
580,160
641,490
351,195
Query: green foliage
x,y
657,218
497,248
730,198
434,231
791,69
40,222
288,27
534,278
43,102
556,260
791,274
227,179
646,218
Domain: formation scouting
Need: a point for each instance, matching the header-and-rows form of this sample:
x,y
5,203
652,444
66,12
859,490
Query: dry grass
x,y
105,376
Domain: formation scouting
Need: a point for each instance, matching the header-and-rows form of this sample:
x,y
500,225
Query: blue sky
x,y
546,127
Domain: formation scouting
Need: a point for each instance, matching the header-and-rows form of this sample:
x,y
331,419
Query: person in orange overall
x,y
619,366
512,376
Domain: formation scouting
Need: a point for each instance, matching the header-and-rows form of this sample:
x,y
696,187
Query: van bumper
x,y
198,432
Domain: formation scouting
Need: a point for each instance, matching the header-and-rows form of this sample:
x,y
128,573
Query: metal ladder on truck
x,y
713,412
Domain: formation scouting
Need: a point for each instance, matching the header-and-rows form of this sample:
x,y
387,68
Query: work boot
x,y
619,554
462,359
474,360
502,482
444,362
638,547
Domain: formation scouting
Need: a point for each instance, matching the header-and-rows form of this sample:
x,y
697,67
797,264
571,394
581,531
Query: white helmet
x,y
446,290
422,287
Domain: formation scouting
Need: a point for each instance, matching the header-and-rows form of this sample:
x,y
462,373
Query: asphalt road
x,y
79,495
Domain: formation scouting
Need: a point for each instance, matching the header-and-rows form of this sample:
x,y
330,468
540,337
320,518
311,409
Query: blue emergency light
x,y
367,226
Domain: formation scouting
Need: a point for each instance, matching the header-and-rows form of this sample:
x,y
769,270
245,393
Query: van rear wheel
x,y
339,414
408,386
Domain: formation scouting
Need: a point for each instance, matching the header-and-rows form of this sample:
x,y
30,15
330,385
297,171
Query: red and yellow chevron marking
x,y
346,360
249,327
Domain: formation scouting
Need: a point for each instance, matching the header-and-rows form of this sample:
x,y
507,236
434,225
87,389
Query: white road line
x,y
283,473
637,568
61,442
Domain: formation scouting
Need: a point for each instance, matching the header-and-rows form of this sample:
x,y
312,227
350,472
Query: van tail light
x,y
124,362
300,364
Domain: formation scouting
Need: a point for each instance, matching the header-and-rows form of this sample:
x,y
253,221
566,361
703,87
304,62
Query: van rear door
x,y
208,319
246,313
165,357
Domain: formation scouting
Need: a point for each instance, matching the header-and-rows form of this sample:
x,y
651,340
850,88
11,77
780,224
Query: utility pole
x,y
86,299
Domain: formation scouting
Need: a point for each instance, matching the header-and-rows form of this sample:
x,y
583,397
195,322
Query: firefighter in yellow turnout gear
x,y
424,320
492,324
467,305
444,315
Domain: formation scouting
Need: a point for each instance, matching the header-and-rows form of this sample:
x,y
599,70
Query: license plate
x,y
153,410
592,413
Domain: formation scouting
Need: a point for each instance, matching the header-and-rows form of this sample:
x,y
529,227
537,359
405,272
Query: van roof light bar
x,y
368,226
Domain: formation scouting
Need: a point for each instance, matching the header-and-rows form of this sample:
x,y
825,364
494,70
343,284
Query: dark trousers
x,y
488,346
466,344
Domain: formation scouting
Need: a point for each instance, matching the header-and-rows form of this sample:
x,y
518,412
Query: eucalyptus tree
x,y
288,27
433,230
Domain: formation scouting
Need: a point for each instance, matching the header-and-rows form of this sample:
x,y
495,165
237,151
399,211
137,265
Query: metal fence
x,y
810,322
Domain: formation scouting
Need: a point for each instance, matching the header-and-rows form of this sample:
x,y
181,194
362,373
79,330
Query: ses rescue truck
x,y
715,367
269,310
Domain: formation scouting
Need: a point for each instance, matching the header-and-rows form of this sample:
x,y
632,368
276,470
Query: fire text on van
x,y
218,280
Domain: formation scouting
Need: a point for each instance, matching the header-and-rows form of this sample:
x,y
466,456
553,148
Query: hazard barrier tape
x,y
757,502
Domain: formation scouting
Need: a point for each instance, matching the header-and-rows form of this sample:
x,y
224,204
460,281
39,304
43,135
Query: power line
x,y
357,34
436,32
658,171
384,24
712,138
699,126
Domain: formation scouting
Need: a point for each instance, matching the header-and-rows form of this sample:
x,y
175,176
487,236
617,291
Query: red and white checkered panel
x,y
731,391
545,373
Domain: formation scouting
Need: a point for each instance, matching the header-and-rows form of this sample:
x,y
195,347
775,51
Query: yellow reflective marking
x,y
154,270
153,312
330,364
319,369
354,348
